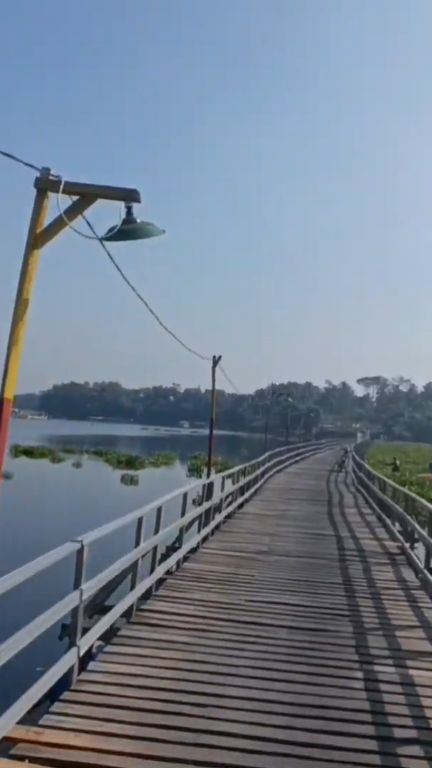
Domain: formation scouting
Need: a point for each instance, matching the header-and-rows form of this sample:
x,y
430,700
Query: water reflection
x,y
235,448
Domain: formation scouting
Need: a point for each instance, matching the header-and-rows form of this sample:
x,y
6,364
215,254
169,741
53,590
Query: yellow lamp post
x,y
39,235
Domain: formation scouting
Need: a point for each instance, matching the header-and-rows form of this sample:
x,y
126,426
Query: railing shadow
x,y
376,694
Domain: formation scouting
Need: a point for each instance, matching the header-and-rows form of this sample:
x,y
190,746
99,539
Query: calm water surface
x,y
45,504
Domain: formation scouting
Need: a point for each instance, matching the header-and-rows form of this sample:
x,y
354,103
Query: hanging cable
x,y
25,163
141,298
19,160
228,379
69,223
150,309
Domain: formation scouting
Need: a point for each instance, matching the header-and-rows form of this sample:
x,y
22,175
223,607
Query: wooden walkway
x,y
297,637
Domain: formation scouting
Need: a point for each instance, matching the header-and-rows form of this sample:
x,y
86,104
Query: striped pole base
x,y
5,417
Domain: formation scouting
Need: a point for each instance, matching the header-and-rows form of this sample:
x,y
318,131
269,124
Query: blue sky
x,y
286,147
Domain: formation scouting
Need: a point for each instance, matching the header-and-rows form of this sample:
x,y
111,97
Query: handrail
x,y
218,497
422,502
39,564
399,516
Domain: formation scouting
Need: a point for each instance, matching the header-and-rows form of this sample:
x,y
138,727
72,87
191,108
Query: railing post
x,y
218,508
184,506
139,534
207,495
410,512
77,617
155,550
427,555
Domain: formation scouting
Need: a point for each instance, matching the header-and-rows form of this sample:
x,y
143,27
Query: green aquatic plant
x,y
162,460
197,465
415,462
31,451
114,459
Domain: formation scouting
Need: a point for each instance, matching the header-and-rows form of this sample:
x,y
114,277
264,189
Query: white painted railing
x,y
406,516
201,508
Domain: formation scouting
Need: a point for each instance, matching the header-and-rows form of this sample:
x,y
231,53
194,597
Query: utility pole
x,y
215,362
40,233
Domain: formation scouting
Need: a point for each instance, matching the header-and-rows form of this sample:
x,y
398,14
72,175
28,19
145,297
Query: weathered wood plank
x,y
222,753
281,732
4,763
232,710
295,672
74,757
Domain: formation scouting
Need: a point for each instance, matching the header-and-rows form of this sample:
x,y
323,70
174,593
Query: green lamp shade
x,y
132,228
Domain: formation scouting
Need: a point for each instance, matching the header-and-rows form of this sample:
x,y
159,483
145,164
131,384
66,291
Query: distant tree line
x,y
395,408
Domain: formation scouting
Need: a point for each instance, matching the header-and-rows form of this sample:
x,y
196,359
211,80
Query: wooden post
x,y
77,619
184,507
427,556
139,533
156,530
37,237
215,362
18,327
218,508
155,550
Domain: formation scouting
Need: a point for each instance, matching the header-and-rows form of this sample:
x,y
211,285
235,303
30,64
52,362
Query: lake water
x,y
46,504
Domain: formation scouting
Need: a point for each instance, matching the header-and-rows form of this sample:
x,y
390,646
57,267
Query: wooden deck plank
x,y
247,739
4,763
269,731
205,697
334,664
296,637
266,670
226,710
219,645
69,758
204,751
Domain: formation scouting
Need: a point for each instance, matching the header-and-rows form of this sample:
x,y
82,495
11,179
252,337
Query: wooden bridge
x,y
297,636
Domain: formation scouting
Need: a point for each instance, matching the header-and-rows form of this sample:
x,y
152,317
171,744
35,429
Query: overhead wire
x,y
141,298
69,223
19,160
25,163
131,286
228,379
164,326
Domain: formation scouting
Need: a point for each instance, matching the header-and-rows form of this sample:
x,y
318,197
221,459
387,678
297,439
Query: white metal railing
x,y
203,505
405,515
